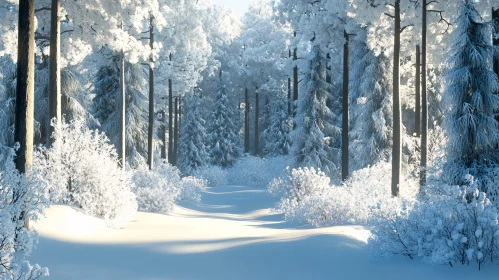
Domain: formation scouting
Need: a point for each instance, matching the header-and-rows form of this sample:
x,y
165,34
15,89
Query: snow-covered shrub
x,y
157,189
459,226
191,188
213,174
258,172
308,197
82,168
26,197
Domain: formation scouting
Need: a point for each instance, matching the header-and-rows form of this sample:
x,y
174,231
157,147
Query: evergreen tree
x,y
225,143
471,126
193,138
276,136
314,134
372,110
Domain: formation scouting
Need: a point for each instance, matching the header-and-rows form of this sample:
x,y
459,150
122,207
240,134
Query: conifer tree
x,y
276,136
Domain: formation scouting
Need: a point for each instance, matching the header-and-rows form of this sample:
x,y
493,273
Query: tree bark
x,y
246,122
290,101
257,122
163,137
170,120
495,20
345,156
424,97
150,139
417,127
25,91
175,134
397,118
295,79
122,107
55,111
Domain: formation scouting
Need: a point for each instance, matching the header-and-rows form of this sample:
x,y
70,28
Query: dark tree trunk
x,y
122,103
25,91
290,100
257,122
170,120
417,127
345,142
175,134
397,118
495,18
424,109
163,137
246,122
179,128
55,111
295,80
150,138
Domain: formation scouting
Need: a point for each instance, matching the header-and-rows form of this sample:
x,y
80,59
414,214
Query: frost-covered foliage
x,y
105,107
314,133
276,136
82,168
372,110
213,174
460,225
193,138
258,172
21,197
225,142
307,196
471,88
159,189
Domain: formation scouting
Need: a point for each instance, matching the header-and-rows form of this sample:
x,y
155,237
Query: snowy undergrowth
x,y
159,189
82,169
214,175
258,172
307,196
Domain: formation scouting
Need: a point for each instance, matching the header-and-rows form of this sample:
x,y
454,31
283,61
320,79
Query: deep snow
x,y
232,235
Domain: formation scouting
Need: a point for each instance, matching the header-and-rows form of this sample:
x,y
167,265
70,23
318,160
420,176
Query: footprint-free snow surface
x,y
232,235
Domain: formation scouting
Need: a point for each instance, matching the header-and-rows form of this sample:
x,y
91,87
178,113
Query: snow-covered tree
x,y
471,90
193,138
314,133
276,136
225,142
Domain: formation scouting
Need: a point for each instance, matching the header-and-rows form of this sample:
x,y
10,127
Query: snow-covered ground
x,y
232,235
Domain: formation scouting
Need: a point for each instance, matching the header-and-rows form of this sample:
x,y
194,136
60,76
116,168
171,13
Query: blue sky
x,y
239,6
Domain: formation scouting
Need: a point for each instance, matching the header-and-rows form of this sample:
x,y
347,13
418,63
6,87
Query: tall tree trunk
x,y
163,137
290,100
295,79
177,139
495,19
175,134
122,103
246,122
424,97
257,122
345,142
170,120
417,127
397,118
25,91
55,111
150,139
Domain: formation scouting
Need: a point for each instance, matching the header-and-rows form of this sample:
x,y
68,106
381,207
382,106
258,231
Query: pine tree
x,y
314,134
193,138
276,136
225,143
471,126
372,110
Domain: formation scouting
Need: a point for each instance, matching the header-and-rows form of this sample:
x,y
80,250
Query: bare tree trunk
x,y
122,103
163,137
345,142
175,134
246,122
495,20
424,97
295,80
177,139
397,118
417,127
25,91
150,139
170,122
55,111
257,123
290,101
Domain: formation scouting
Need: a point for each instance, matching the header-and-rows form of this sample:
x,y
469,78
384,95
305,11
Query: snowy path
x,y
232,236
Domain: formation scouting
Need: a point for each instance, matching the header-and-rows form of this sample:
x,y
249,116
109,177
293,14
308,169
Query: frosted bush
x,y
258,172
82,168
459,226
308,197
191,188
16,242
213,174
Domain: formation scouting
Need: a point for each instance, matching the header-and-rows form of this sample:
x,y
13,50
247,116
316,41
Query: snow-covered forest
x,y
305,139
